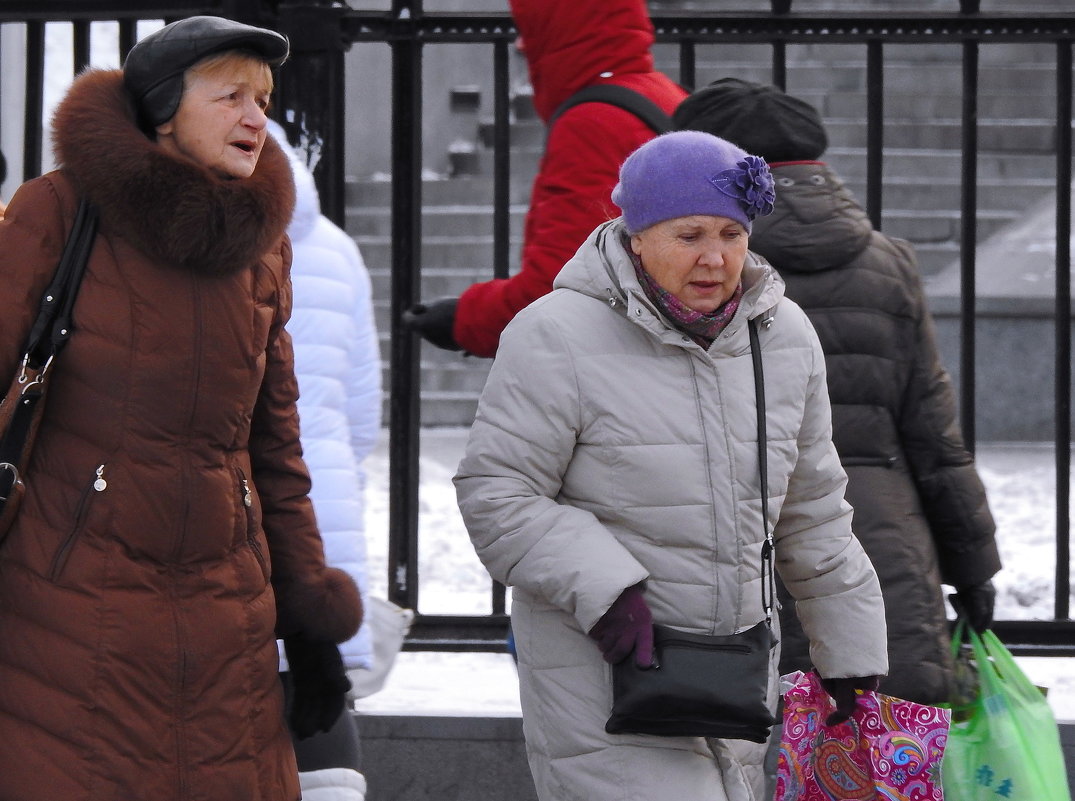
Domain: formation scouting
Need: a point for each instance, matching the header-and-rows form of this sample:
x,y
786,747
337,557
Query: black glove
x,y
975,604
320,685
434,321
843,693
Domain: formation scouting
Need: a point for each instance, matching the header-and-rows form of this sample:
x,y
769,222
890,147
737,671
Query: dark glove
x,y
434,322
843,693
975,604
626,626
320,684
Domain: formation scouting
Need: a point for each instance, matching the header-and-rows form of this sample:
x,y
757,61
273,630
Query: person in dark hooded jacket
x,y
921,511
569,45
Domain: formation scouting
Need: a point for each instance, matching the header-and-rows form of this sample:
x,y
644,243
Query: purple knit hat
x,y
689,172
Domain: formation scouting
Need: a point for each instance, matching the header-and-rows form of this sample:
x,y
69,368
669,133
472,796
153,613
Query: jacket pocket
x,y
85,502
246,497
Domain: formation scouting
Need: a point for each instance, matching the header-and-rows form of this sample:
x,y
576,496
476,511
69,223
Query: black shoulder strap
x,y
621,97
768,576
53,324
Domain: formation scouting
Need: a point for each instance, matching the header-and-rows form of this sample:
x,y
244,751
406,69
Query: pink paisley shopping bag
x,y
890,749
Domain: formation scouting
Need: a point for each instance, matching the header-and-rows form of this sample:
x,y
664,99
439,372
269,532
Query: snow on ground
x,y
1020,480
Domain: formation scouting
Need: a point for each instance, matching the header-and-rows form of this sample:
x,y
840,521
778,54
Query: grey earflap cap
x,y
153,70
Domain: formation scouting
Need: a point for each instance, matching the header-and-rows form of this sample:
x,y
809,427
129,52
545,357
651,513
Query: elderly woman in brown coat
x,y
166,538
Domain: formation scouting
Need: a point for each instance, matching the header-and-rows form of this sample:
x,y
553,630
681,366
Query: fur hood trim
x,y
171,209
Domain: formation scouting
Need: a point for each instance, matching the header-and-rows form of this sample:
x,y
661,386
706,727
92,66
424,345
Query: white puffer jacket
x,y
608,449
338,366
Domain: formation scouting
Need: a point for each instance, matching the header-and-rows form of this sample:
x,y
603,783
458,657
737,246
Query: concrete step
x,y
374,221
849,157
371,226
1001,183
459,254
994,135
436,191
437,282
850,163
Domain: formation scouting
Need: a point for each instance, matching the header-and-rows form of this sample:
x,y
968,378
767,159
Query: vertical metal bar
x,y
688,65
968,240
128,36
875,130
501,201
501,160
35,87
780,64
405,397
334,163
1063,329
780,48
81,44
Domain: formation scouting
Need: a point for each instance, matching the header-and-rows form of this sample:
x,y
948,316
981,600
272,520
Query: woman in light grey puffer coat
x,y
611,477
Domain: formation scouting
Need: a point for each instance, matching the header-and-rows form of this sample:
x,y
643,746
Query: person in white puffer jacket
x,y
338,366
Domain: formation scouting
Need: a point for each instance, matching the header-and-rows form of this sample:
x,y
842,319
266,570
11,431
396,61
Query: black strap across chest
x,y
621,97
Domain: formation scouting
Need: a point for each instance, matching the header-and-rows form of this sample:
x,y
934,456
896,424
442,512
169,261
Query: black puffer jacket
x,y
920,508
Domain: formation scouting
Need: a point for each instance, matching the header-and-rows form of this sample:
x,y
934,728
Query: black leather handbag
x,y
705,685
24,403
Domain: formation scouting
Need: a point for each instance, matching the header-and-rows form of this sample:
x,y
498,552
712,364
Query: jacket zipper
x,y
185,468
181,638
99,484
736,647
247,496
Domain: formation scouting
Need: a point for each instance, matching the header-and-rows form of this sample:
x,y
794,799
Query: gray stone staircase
x,y
921,169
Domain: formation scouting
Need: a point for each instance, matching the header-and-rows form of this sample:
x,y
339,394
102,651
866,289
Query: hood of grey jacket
x,y
602,268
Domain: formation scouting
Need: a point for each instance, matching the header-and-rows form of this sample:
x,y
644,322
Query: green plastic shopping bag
x,y
1004,743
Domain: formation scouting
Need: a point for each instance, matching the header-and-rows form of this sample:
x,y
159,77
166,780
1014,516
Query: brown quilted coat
x,y
137,643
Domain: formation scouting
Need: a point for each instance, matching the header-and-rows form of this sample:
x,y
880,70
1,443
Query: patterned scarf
x,y
703,327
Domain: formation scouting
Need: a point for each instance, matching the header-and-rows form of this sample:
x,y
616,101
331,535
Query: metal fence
x,y
311,94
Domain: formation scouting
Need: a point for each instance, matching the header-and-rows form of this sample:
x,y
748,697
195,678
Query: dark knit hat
x,y
153,70
759,118
683,173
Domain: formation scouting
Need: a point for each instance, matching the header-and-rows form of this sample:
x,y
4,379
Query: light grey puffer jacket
x,y
610,448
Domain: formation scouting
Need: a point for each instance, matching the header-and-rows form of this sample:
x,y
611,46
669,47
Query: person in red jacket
x,y
569,45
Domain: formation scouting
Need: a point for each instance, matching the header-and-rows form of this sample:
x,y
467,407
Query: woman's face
x,y
698,259
220,122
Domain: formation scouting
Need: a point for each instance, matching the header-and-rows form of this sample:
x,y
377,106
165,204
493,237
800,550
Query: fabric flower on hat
x,y
751,183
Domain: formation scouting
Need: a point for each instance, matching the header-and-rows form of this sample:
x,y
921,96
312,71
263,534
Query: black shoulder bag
x,y
23,405
704,685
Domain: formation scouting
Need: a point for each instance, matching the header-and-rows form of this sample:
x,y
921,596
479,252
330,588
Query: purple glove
x,y
626,626
843,693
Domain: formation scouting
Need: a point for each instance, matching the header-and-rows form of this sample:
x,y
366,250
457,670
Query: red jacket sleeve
x,y
570,197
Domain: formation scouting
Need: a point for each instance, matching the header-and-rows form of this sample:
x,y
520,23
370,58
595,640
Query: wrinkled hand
x,y
434,322
626,626
843,693
975,604
320,685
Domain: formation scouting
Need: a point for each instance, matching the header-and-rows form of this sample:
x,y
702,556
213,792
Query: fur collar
x,y
171,209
